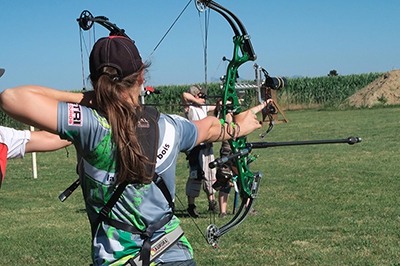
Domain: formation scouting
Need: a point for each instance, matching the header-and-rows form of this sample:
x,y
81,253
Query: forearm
x,y
42,141
188,98
211,129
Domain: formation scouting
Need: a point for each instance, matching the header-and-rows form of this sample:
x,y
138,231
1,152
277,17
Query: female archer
x,y
128,154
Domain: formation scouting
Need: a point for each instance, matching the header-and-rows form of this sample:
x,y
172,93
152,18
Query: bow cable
x,y
84,47
205,40
169,29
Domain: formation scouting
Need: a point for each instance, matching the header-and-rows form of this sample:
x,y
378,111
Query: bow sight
x,y
268,83
274,83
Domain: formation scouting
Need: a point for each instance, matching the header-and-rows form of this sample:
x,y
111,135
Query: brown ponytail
x,y
121,113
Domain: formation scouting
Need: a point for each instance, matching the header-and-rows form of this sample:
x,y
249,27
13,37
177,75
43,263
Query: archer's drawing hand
x,y
89,99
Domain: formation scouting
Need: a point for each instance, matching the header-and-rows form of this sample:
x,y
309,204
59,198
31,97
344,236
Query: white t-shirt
x,y
197,112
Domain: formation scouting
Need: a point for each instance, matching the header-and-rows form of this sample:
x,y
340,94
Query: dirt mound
x,y
384,90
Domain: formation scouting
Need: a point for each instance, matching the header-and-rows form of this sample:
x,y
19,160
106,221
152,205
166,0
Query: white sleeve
x,y
15,140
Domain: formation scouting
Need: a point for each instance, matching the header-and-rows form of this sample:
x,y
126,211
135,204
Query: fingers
x,y
256,109
254,114
248,121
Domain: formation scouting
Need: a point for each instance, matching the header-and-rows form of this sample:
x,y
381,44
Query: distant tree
x,y
333,73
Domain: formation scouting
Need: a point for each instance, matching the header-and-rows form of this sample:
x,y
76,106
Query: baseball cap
x,y
118,52
196,89
2,70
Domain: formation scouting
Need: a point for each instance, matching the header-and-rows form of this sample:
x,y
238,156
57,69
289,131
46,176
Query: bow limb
x,y
86,21
242,52
247,182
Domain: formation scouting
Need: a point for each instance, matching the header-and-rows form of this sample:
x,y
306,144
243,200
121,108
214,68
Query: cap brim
x,y
2,70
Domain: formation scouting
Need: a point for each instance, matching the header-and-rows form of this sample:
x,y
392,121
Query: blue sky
x,y
40,39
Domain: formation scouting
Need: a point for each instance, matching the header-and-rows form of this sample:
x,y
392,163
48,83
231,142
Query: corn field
x,y
328,91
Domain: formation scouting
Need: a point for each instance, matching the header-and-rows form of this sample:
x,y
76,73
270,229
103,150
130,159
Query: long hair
x,y
115,102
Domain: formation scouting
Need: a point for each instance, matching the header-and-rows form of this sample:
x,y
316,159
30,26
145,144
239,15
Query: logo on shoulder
x,y
74,114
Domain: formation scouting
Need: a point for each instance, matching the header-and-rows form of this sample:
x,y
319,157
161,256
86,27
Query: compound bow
x,y
247,181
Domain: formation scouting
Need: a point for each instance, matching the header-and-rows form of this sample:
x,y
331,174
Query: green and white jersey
x,y
140,204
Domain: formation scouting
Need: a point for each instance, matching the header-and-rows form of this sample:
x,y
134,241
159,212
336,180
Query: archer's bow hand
x,y
247,120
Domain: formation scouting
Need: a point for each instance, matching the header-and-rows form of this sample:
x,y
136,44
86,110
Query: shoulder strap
x,y
111,202
147,139
147,133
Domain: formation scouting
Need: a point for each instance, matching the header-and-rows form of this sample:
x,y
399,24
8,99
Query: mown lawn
x,y
332,204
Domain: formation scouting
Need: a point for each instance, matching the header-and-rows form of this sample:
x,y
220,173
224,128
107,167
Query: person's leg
x,y
207,156
223,200
193,187
223,203
252,210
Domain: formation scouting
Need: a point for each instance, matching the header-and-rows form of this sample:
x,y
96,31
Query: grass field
x,y
332,204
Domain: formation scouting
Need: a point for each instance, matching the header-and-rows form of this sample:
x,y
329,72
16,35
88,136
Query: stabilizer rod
x,y
63,196
260,145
